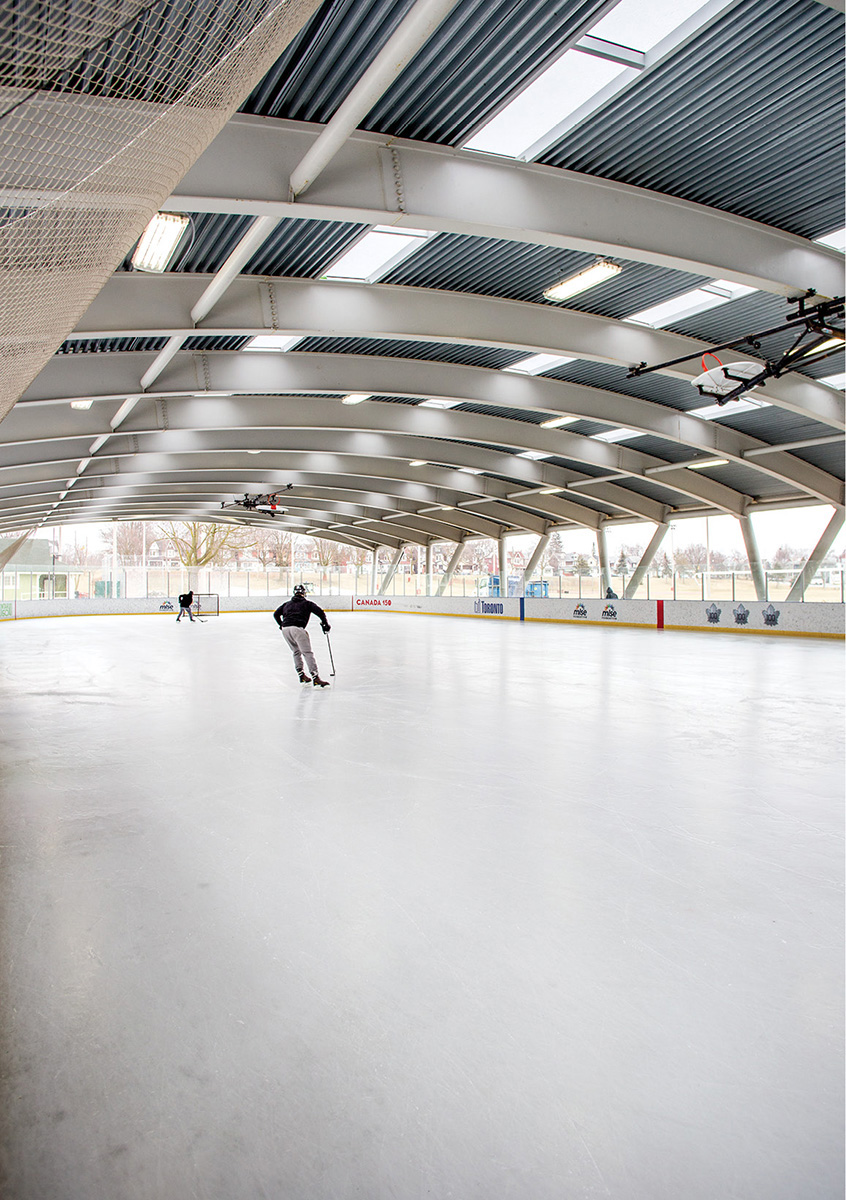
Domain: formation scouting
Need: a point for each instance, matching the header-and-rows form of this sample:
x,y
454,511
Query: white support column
x,y
392,569
374,568
429,549
450,571
604,568
537,555
645,561
753,556
797,592
502,554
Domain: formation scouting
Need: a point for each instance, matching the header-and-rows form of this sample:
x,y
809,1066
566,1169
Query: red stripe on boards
x,y
660,604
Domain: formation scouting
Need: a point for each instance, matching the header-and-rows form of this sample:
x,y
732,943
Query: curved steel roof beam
x,y
263,374
246,168
134,304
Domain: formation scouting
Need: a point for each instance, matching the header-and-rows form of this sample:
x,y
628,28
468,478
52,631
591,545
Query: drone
x,y
263,502
820,333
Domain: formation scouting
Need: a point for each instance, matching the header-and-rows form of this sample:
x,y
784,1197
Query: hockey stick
x,y
331,659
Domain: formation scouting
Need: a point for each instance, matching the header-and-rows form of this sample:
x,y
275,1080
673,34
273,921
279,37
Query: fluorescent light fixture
x,y
590,277
377,252
557,422
203,395
536,455
438,403
536,364
550,491
419,462
158,242
471,470
835,381
81,403
835,240
254,451
445,508
702,466
616,435
276,342
710,412
710,295
831,343
356,397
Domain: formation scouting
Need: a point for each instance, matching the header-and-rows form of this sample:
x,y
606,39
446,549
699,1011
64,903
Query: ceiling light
x,y
536,455
709,462
550,491
590,277
710,295
382,248
471,470
419,462
81,403
254,451
615,435
445,508
831,343
535,364
438,403
158,242
557,422
356,397
277,342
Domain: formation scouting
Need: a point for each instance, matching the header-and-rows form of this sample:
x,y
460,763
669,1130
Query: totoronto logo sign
x,y
485,608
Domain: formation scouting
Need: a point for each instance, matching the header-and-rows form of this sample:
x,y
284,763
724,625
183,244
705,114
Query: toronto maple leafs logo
x,y
741,614
580,611
713,614
771,615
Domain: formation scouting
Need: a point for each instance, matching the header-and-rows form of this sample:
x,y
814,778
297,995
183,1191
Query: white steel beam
x,y
645,561
537,555
446,579
463,192
392,569
753,556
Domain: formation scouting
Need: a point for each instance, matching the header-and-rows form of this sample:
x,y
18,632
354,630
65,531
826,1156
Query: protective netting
x,y
104,106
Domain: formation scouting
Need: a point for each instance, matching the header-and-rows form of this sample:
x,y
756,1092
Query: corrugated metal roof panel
x,y
112,345
827,458
521,271
448,352
748,118
216,342
302,249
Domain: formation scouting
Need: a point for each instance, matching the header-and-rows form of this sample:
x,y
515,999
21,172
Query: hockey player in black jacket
x,y
292,618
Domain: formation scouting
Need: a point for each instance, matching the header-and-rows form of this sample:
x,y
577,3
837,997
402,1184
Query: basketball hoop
x,y
720,380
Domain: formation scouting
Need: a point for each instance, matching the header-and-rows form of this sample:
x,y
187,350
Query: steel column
x,y
450,571
392,569
797,592
754,557
537,555
645,561
602,549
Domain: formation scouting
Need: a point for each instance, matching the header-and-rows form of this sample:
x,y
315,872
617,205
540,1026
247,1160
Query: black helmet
x,y
300,590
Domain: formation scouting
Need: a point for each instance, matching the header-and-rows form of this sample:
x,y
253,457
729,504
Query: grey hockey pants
x,y
300,644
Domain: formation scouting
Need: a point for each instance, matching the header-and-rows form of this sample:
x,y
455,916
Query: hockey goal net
x,y
206,604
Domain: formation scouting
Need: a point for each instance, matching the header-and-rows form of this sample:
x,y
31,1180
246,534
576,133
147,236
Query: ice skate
x,y
318,682
303,678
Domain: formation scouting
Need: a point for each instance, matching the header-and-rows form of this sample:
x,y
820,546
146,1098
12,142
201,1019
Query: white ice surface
x,y
510,912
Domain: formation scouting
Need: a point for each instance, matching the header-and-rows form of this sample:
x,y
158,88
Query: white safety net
x,y
104,106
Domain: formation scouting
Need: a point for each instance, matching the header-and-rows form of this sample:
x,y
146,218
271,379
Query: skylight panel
x,y
438,403
711,411
535,455
559,91
835,381
710,295
278,343
616,435
536,364
372,255
642,26
836,240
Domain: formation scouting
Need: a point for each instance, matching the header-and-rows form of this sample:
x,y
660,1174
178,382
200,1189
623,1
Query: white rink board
x,y
443,606
271,603
594,612
759,616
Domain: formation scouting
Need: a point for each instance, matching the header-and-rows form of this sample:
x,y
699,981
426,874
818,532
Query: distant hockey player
x,y
292,618
185,602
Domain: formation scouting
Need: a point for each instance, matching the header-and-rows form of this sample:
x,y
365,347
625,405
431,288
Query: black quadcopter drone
x,y
263,502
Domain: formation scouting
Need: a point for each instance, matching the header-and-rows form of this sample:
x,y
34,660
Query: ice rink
x,y
510,912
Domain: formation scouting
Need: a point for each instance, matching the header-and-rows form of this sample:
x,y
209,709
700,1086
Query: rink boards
x,y
797,619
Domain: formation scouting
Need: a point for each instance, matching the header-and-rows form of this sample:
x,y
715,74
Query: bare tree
x,y
129,537
197,543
